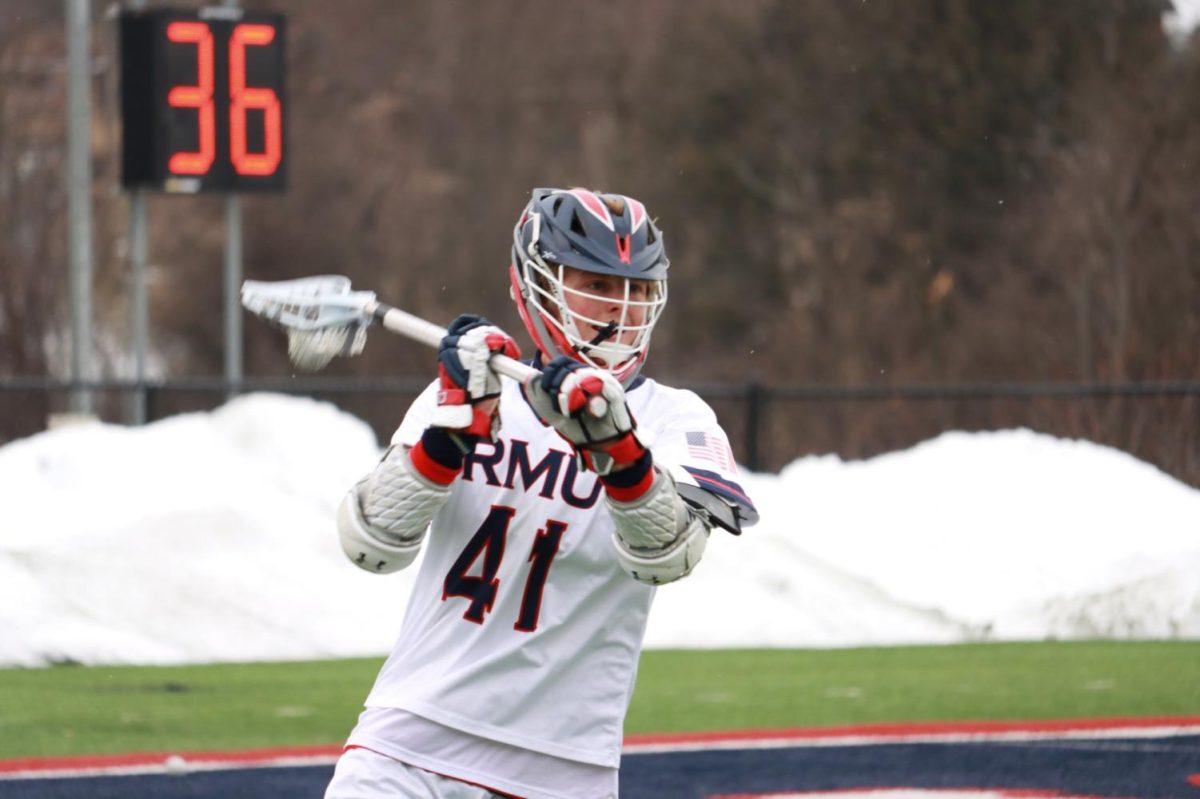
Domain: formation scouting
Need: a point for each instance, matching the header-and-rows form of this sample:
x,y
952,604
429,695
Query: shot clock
x,y
202,100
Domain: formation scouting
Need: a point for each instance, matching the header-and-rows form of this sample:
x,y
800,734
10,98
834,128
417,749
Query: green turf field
x,y
71,710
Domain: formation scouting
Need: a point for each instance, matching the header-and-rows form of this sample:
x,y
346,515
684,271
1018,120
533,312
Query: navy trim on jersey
x,y
727,489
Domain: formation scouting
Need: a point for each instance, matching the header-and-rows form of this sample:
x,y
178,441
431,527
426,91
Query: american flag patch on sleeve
x,y
711,448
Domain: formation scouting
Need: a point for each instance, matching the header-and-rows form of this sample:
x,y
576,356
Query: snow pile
x,y
970,536
201,537
210,537
1181,19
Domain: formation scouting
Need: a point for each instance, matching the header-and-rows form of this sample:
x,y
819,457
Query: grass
x,y
679,692
70,710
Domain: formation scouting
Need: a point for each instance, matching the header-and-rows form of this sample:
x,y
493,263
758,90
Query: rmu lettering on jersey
x,y
506,463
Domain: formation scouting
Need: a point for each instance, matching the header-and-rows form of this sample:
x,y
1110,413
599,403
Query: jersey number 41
x,y
488,541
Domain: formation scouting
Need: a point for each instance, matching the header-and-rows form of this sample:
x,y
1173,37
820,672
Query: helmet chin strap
x,y
602,335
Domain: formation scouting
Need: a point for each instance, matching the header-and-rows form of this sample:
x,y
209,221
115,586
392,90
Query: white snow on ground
x,y
211,537
1183,17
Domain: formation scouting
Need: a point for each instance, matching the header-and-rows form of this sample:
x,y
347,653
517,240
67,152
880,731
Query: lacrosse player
x,y
552,512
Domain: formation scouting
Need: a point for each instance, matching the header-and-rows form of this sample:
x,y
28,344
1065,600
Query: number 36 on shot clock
x,y
202,100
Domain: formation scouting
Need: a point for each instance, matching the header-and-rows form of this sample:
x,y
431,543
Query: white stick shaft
x,y
410,326
428,333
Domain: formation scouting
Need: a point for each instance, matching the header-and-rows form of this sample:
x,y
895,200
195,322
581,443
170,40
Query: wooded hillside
x,y
876,192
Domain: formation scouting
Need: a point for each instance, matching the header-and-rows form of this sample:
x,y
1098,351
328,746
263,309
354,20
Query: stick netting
x,y
311,350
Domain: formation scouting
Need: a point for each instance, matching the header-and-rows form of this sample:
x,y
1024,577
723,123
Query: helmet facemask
x,y
621,343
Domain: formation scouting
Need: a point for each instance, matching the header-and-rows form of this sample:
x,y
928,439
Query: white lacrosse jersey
x,y
522,628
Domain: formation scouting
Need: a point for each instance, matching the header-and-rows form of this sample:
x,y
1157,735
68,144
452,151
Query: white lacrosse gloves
x,y
467,379
562,397
657,539
467,404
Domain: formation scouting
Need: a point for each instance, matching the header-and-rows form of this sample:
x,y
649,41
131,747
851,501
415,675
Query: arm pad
x,y
382,521
658,538
367,547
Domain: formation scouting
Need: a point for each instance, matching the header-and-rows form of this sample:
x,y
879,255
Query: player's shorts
x,y
363,774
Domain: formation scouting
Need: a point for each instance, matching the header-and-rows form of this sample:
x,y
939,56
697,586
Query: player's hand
x,y
562,396
470,387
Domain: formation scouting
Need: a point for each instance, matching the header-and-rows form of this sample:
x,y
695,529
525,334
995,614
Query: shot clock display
x,y
202,100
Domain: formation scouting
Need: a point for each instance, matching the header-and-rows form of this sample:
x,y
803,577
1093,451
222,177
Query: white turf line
x,y
182,766
1016,736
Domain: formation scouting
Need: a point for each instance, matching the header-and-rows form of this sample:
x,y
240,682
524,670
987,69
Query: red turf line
x,y
882,731
1007,793
157,758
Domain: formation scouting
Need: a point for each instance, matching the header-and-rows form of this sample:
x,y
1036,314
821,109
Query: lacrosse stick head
x,y
322,316
312,350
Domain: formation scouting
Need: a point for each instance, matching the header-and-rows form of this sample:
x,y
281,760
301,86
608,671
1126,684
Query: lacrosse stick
x,y
324,318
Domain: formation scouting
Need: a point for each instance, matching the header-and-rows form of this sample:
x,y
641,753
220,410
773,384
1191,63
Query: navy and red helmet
x,y
605,234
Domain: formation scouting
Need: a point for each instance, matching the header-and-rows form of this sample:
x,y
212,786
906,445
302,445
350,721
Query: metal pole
x,y
138,303
754,414
233,282
79,197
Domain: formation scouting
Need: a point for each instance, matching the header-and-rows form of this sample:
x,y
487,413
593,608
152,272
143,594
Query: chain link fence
x,y
768,426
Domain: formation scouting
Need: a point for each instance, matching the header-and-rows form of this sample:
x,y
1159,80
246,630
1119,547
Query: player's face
x,y
605,301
